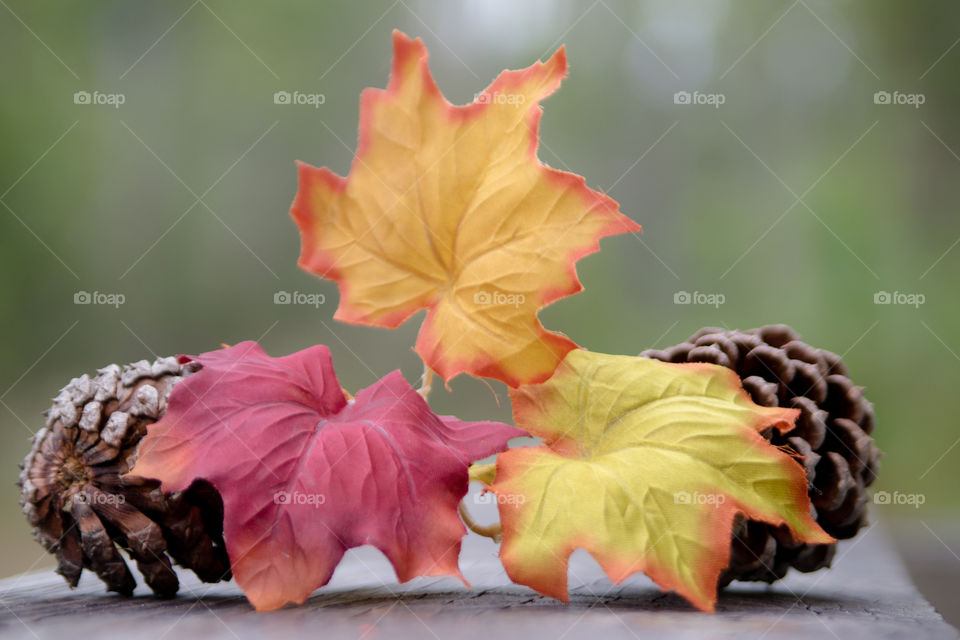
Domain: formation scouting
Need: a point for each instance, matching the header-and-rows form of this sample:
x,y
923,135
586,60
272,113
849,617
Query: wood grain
x,y
866,594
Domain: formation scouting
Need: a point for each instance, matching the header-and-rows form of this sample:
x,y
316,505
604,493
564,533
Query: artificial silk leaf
x,y
645,465
306,474
447,208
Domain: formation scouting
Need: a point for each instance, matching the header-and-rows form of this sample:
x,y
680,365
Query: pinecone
x,y
832,440
83,508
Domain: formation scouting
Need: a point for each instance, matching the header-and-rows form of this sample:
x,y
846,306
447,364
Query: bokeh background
x,y
798,199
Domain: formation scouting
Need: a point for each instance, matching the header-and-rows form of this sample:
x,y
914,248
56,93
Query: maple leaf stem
x,y
493,531
426,382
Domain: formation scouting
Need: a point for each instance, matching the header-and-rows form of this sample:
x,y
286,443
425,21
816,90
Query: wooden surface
x,y
866,595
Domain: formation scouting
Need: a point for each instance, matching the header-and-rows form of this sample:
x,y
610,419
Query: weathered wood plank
x,y
867,594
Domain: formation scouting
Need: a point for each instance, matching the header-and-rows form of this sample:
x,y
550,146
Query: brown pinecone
x,y
83,508
831,439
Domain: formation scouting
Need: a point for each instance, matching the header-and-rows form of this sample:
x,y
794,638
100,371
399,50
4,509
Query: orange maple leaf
x,y
447,208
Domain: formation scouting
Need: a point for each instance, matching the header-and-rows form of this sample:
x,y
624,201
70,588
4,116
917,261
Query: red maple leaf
x,y
306,474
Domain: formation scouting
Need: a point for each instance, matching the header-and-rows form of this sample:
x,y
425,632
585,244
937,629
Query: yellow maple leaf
x,y
645,465
447,208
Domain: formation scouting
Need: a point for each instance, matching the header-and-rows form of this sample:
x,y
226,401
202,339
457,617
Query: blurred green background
x,y
798,199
